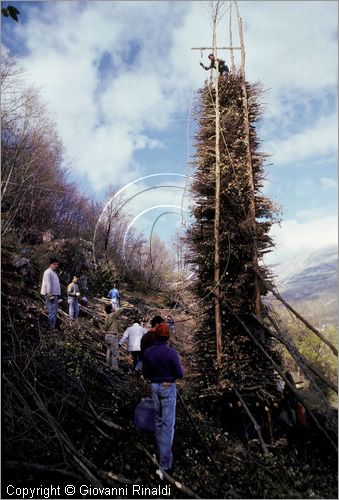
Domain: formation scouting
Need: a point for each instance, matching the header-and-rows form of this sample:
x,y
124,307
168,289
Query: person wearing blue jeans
x,y
114,295
73,295
164,401
50,289
161,365
73,307
52,304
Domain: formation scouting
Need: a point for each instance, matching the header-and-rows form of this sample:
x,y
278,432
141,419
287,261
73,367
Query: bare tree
x,y
36,193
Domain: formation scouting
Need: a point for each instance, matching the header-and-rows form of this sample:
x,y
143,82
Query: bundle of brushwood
x,y
246,218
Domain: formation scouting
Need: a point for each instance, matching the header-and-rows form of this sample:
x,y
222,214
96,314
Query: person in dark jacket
x,y
161,365
149,338
217,63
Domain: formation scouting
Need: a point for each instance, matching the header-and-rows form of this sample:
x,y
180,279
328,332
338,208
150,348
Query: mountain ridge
x,y
313,285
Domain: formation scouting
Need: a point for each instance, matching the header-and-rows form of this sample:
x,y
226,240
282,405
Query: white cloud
x,y
321,139
295,240
291,48
328,183
105,118
102,119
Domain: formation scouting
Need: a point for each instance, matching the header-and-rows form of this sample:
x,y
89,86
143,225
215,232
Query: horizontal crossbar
x,y
218,48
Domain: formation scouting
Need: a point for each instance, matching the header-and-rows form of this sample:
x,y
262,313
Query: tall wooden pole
x,y
252,210
231,40
217,285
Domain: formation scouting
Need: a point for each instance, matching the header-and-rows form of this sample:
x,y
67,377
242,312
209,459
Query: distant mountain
x,y
319,274
312,286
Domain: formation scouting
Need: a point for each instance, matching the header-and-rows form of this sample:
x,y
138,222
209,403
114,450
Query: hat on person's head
x,y
162,331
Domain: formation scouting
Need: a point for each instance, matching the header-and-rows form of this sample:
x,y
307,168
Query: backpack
x,y
144,415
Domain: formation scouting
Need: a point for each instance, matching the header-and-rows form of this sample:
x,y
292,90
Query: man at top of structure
x,y
217,63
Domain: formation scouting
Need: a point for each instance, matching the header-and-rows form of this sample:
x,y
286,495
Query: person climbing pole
x,y
220,63
132,335
162,366
111,328
149,339
73,295
114,295
50,289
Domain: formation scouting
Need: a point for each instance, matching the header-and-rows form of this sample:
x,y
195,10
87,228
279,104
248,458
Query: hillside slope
x,y
67,417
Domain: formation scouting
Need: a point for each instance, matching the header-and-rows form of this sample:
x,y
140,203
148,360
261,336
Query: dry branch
x,y
281,373
301,318
254,422
169,478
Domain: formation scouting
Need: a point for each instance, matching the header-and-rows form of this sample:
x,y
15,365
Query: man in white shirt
x,y
50,289
133,335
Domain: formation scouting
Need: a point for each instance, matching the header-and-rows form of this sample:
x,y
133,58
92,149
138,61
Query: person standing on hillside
x,y
111,328
149,339
133,335
50,289
170,322
161,365
73,295
114,295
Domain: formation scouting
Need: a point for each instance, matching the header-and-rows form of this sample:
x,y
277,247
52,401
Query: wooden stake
x,y
287,382
252,208
231,41
282,336
217,285
301,318
217,48
254,422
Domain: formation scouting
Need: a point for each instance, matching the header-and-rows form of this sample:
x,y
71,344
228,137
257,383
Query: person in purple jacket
x,y
162,367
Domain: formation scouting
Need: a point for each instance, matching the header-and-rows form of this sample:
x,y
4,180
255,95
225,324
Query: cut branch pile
x,y
243,366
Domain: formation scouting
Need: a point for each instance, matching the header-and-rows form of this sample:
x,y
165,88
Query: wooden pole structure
x,y
213,48
231,40
287,382
217,285
283,337
252,210
254,422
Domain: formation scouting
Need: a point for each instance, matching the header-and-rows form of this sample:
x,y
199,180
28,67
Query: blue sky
x,y
119,79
